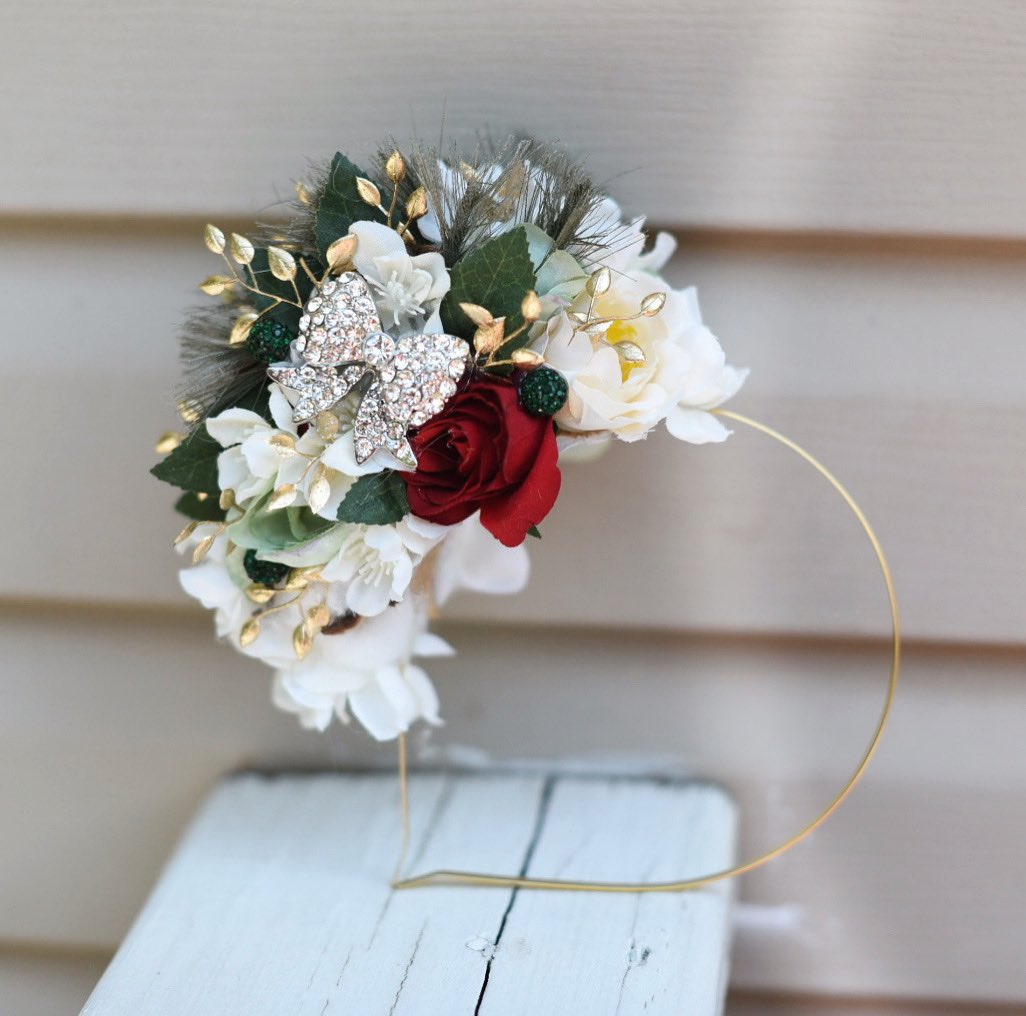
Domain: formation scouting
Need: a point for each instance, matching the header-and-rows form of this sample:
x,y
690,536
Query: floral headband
x,y
381,398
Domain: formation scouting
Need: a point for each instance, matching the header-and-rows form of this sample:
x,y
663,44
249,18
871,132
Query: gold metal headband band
x,y
469,878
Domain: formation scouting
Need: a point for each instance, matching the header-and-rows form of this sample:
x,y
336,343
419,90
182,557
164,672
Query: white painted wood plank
x,y
114,726
902,371
868,115
279,901
653,953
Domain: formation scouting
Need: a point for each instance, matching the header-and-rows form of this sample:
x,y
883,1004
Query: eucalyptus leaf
x,y
267,531
377,499
556,271
340,204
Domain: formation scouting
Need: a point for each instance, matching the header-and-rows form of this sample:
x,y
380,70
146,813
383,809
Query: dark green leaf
x,y
535,532
497,276
340,205
377,499
193,464
207,510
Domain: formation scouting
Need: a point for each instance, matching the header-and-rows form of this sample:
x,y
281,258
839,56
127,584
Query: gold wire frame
x,y
472,878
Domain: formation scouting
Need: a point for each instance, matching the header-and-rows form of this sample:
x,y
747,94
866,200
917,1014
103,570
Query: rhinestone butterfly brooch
x,y
342,343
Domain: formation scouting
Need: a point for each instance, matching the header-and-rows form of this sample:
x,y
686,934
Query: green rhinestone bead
x,y
543,392
266,573
269,340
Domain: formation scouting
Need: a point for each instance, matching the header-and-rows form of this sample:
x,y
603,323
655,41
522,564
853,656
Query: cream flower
x,y
367,671
682,373
406,290
471,558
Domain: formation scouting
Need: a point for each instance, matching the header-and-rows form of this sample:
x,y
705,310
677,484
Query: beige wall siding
x,y
718,612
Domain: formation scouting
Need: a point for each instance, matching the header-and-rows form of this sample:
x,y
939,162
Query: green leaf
x,y
263,530
535,532
377,499
206,510
340,204
497,276
193,464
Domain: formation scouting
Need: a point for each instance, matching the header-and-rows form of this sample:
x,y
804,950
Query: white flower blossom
x,y
407,290
377,562
683,373
367,671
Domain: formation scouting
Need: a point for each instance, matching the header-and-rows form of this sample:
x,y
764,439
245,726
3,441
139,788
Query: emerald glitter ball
x,y
269,340
543,392
266,573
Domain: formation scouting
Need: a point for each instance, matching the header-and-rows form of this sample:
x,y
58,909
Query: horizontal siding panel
x,y
900,370
865,115
115,725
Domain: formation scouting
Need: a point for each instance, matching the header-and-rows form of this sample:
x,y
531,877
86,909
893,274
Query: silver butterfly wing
x,y
337,317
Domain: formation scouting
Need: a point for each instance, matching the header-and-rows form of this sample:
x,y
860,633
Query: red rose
x,y
485,451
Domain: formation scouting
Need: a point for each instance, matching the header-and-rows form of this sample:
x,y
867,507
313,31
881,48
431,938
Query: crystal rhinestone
x,y
378,349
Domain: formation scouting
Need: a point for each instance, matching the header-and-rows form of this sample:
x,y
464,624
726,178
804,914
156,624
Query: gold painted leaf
x,y
282,497
281,263
368,191
168,442
527,358
296,581
481,316
319,616
202,549
598,282
283,444
653,304
186,533
303,194
242,249
629,352
213,238
531,307
318,494
417,203
302,640
257,593
395,167
226,500
215,285
341,252
489,337
240,330
188,411
250,631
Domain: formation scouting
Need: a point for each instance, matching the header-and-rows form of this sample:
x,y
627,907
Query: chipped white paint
x,y
278,901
